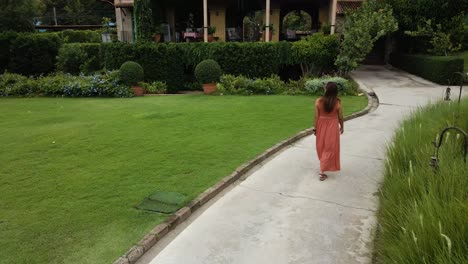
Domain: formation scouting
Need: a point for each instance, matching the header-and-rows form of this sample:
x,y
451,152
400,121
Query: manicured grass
x,y
72,169
423,213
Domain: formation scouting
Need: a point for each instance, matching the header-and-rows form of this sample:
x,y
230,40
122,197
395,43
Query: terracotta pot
x,y
210,38
209,88
271,36
157,38
138,90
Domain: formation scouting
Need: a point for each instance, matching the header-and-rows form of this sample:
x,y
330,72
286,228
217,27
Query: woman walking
x,y
328,126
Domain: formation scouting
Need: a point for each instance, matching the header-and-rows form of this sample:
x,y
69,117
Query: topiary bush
x,y
131,73
208,71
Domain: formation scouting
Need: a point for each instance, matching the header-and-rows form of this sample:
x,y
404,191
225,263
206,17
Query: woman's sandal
x,y
323,176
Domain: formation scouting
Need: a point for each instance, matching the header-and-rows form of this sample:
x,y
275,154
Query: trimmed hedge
x,y
438,69
16,48
174,63
34,53
6,39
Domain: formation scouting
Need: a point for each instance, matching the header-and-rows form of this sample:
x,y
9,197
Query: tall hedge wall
x,y
438,69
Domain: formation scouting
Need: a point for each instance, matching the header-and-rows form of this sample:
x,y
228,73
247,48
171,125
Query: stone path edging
x,y
150,239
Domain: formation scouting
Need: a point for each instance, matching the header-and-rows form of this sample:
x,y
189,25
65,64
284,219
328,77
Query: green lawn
x,y
72,169
423,213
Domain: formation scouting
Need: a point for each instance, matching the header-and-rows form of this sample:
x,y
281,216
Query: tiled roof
x,y
342,6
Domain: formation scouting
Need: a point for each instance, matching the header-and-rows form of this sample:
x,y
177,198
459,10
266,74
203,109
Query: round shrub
x,y
131,73
208,71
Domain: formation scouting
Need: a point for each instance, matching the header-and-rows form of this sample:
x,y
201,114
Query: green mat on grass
x,y
162,202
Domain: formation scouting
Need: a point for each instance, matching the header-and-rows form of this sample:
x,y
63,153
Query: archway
x,y
294,22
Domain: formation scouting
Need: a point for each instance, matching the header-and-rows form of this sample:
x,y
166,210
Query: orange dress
x,y
328,137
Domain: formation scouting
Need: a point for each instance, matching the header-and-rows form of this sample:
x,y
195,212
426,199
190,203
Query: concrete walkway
x,y
283,214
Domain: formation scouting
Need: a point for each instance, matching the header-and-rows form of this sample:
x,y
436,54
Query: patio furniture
x,y
232,34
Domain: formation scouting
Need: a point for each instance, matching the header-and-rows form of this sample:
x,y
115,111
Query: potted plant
x,y
131,73
158,33
208,73
211,31
106,32
272,31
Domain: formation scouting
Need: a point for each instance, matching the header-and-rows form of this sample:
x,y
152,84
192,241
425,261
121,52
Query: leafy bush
x,y
271,85
131,73
345,87
75,58
156,87
241,85
438,69
60,84
16,85
6,39
315,54
80,36
34,53
422,213
208,71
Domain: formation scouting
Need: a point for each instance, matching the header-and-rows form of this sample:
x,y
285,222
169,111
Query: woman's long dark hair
x,y
331,96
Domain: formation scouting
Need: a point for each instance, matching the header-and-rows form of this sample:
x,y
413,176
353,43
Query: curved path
x,y
283,214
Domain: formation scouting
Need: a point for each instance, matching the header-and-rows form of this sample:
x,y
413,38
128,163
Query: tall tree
x,y
76,11
18,15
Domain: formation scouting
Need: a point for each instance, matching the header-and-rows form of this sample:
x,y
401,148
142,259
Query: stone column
x,y
205,20
267,21
333,16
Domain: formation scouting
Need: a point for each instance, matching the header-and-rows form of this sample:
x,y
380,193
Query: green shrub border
x,y
438,69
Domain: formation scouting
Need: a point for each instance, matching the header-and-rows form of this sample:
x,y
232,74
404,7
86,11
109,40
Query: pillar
x,y
275,21
267,21
333,16
205,20
218,20
123,18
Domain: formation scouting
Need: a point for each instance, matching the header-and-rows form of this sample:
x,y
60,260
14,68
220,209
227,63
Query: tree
x,y
75,12
18,15
360,35
412,14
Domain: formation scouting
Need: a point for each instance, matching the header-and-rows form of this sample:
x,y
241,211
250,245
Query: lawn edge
x,y
161,230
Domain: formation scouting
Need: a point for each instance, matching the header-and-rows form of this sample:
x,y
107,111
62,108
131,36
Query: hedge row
x,y
174,63
438,69
35,53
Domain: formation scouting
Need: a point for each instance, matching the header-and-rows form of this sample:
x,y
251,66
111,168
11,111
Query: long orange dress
x,y
328,137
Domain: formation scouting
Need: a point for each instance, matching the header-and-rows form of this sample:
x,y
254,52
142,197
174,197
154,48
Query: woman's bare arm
x,y
340,118
317,113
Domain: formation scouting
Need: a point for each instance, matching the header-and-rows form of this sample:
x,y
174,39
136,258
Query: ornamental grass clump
x,y
423,211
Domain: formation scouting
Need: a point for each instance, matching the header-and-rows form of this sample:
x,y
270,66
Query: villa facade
x,y
184,19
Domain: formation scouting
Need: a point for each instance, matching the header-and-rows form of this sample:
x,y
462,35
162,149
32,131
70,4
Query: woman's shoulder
x,y
318,100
